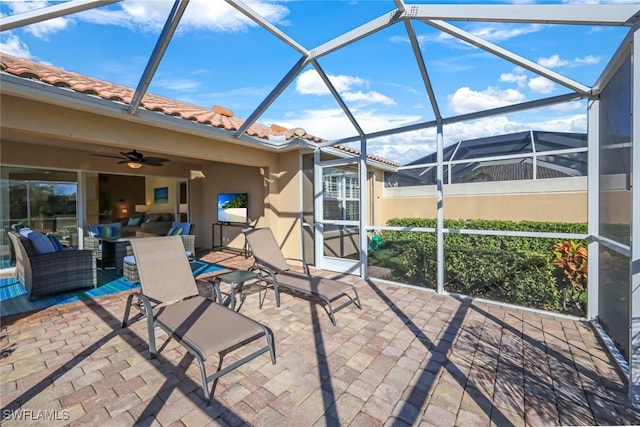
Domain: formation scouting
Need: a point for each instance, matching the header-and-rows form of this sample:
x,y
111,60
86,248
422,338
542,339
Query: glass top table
x,y
236,280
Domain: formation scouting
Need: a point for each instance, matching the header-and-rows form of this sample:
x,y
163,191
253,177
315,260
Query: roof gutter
x,y
46,93
370,162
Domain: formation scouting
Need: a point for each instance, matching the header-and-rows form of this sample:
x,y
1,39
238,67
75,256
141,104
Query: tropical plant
x,y
571,260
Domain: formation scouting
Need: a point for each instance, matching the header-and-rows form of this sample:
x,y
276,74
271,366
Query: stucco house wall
x,y
42,135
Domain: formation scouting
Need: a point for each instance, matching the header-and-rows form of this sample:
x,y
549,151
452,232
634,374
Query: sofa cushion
x,y
134,221
152,218
41,244
56,243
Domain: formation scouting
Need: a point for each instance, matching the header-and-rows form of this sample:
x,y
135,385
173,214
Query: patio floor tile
x,y
409,357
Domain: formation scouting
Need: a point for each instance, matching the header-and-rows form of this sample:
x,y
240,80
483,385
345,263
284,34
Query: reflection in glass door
x,y
338,234
45,201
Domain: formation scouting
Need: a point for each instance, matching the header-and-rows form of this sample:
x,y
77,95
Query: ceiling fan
x,y
135,159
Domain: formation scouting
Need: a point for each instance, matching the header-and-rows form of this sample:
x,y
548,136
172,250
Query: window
x,y
341,187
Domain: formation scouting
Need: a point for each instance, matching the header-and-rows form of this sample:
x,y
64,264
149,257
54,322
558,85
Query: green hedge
x,y
516,270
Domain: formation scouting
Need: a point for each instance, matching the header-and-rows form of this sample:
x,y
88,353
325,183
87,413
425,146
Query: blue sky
x,y
219,57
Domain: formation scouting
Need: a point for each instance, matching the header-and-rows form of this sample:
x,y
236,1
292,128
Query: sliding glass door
x,y
43,200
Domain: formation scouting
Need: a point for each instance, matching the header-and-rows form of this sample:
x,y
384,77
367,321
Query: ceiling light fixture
x,y
134,165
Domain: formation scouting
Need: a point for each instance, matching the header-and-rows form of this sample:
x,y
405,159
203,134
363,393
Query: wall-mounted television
x,y
232,208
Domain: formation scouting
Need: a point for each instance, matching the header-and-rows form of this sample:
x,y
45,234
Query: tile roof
x,y
217,116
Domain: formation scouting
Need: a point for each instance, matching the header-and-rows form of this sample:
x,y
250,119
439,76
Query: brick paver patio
x,y
410,357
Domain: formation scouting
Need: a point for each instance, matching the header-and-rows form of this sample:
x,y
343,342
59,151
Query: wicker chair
x,y
93,243
130,270
53,272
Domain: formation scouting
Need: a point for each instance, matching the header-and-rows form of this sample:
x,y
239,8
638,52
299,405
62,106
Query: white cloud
x,y
541,85
571,123
13,46
588,60
42,29
517,77
554,61
465,100
502,32
371,97
569,106
145,15
310,83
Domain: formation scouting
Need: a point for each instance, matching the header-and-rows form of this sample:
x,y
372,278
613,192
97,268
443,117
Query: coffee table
x,y
114,249
236,280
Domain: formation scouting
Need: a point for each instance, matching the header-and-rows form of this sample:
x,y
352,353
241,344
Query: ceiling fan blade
x,y
132,155
107,155
154,160
135,157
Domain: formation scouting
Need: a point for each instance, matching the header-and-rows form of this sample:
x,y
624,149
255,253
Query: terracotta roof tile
x,y
219,117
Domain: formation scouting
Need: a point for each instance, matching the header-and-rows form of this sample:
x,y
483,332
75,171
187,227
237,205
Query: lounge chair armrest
x,y
301,261
264,271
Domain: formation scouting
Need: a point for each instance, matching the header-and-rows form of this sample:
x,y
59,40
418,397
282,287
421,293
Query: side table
x,y
236,280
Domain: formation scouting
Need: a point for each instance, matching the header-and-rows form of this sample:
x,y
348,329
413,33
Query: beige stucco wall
x,y
556,200
285,201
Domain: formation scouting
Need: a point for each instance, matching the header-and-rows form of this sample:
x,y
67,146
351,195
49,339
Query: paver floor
x,y
409,357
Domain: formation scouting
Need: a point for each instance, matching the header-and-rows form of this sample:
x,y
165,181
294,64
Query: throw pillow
x,y
134,222
41,244
104,231
56,243
186,226
116,229
174,231
94,230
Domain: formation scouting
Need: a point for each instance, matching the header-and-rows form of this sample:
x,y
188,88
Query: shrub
x,y
518,270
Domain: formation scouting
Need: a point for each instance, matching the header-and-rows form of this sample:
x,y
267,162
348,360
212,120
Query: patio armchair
x,y
274,269
169,299
94,245
53,272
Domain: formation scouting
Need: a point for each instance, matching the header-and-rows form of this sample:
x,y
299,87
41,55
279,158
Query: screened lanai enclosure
x,y
529,213
510,157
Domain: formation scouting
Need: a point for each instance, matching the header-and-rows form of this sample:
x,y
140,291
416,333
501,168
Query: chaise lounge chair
x,y
275,269
169,298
